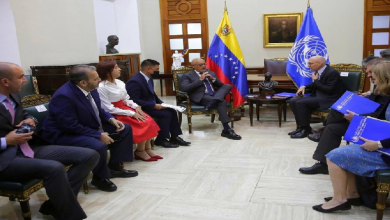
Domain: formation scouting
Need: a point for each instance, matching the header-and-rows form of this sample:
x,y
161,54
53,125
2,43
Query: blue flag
x,y
308,43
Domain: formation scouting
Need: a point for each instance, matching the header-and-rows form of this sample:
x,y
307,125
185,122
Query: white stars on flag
x,y
233,66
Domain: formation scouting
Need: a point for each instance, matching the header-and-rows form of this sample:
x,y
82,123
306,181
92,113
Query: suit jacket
x,y
6,126
71,116
195,88
328,88
138,90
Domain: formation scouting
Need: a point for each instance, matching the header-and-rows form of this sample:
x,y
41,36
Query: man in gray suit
x,y
21,159
206,89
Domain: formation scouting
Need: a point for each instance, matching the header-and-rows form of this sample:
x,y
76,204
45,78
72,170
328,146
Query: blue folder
x,y
367,127
288,94
355,103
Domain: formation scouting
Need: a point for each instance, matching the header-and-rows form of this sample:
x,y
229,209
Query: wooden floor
x,y
216,178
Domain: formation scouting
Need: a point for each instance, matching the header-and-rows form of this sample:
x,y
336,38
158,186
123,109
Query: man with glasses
x,y
326,88
204,88
141,90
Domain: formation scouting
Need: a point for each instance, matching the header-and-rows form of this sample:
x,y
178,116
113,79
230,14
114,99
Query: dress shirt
x,y
147,78
3,145
113,92
211,81
86,94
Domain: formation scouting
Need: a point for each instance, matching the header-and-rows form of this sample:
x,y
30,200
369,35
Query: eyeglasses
x,y
201,64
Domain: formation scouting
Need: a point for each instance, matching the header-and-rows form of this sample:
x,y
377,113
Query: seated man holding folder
x,y
337,123
326,88
346,162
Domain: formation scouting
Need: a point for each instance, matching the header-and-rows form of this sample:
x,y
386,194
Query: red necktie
x,y
25,148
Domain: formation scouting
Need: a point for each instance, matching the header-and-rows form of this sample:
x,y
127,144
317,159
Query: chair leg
x,y
152,143
189,124
212,118
180,118
242,111
85,186
383,189
25,206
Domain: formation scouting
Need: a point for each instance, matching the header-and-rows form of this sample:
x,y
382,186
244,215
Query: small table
x,y
162,77
259,100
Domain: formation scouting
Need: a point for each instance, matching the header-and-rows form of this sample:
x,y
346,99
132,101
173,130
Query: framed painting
x,y
280,30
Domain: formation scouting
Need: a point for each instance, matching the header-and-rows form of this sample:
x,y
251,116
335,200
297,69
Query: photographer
x,y
20,162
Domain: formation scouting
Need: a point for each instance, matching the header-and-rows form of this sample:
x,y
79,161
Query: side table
x,y
259,100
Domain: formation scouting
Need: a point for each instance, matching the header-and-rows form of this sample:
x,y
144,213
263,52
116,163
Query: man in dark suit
x,y
76,118
206,89
141,90
336,126
21,160
326,88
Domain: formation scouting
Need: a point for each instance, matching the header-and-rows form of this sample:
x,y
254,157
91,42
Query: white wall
x,y
9,48
117,17
55,32
340,22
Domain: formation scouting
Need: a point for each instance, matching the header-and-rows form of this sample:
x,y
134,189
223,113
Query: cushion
x,y
352,81
275,67
18,186
383,176
40,116
28,87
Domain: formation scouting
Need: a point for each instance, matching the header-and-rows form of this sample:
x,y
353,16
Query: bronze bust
x,y
113,40
267,84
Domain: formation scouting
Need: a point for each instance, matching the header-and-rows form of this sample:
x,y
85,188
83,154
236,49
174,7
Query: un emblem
x,y
355,139
305,48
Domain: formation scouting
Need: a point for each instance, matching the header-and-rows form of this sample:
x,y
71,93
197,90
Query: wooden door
x,y
184,26
377,29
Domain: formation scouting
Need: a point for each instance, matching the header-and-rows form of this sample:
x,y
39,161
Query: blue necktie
x,y
208,86
150,84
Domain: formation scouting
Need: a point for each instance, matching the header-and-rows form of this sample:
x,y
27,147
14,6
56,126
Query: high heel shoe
x,y
136,157
155,156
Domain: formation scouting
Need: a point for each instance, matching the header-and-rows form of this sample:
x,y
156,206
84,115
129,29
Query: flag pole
x,y
308,3
225,7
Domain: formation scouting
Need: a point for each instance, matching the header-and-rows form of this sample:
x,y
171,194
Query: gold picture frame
x,y
280,30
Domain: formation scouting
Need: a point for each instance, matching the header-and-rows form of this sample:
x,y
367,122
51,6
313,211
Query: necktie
x,y
25,148
95,109
150,84
208,86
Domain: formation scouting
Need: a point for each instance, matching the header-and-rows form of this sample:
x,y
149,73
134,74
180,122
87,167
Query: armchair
x,y
183,100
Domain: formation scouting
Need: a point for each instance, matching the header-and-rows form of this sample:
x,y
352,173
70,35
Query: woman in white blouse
x,y
117,102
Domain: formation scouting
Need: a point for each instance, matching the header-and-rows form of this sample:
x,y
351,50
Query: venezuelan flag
x,y
226,60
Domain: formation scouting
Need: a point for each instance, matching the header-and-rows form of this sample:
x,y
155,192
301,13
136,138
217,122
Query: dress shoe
x,y
344,206
318,130
317,168
47,208
315,137
104,184
123,173
230,134
158,157
302,134
352,201
178,140
296,131
165,143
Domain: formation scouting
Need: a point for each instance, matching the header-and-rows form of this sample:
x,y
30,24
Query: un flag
x,y
308,43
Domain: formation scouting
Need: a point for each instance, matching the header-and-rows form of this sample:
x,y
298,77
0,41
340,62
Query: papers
x,y
40,108
344,74
177,108
355,103
288,94
367,127
384,151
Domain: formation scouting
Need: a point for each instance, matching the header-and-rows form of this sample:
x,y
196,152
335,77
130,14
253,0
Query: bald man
x,y
22,158
204,88
326,88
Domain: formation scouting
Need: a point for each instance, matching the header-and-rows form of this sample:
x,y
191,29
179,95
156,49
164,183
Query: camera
x,y
25,128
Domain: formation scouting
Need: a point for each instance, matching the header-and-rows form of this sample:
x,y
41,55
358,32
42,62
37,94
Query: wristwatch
x,y
34,119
